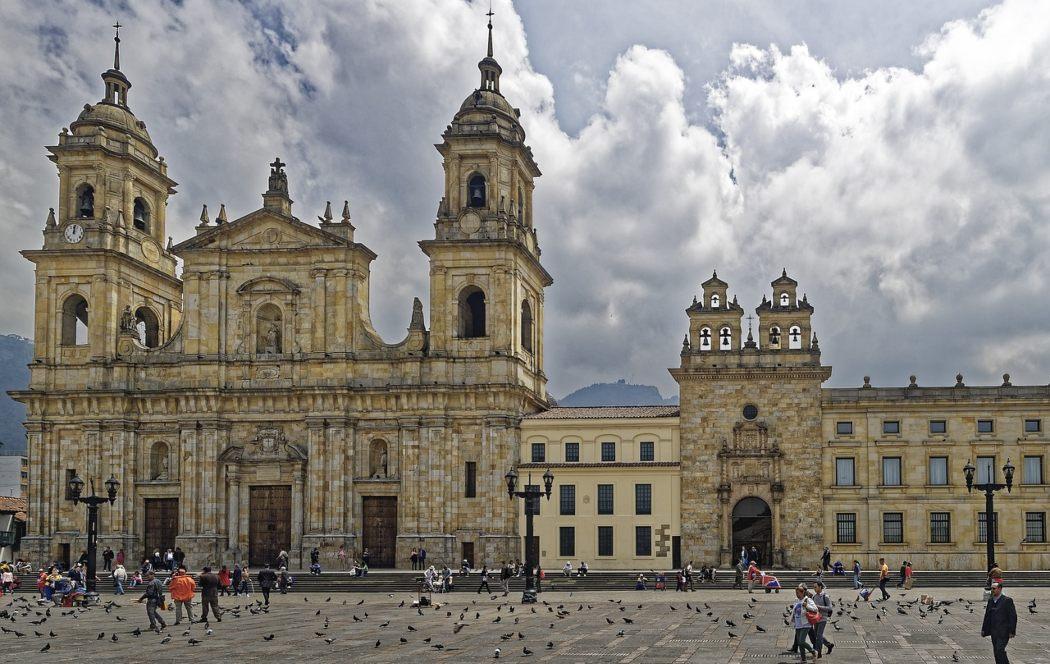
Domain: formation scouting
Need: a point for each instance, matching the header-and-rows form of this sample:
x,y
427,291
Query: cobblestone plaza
x,y
564,627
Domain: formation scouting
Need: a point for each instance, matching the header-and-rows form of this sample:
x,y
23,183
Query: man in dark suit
x,y
1000,622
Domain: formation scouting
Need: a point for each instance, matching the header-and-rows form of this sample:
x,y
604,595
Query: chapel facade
x,y
247,406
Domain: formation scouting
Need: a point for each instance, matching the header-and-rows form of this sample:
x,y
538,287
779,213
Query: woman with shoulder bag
x,y
804,614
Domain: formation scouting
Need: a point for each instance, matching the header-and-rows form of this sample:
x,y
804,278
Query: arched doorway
x,y
753,526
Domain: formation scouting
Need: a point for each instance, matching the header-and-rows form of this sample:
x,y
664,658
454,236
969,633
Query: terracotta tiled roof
x,y
602,412
19,506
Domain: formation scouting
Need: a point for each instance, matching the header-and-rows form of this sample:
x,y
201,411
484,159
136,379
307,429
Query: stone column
x,y
38,452
233,509
188,478
315,489
348,470
297,515
334,491
318,313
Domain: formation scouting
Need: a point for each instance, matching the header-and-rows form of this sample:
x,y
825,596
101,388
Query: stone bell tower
x,y
104,270
751,429
486,280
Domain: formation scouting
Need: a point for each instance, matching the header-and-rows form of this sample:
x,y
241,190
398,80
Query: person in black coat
x,y
1000,623
267,579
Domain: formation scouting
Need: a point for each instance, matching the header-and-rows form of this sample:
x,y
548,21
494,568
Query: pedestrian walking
x,y
484,579
120,577
825,559
267,579
209,595
689,576
284,580
753,554
856,575
422,558
235,580
908,576
182,587
414,557
1000,622
154,599
902,573
884,577
224,581
753,574
180,557
738,577
120,557
743,555
342,557
504,577
107,559
803,614
825,607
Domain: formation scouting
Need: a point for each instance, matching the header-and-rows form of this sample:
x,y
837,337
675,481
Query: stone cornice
x,y
820,373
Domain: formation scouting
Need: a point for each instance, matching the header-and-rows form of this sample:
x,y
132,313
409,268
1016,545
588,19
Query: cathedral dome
x,y
488,100
111,116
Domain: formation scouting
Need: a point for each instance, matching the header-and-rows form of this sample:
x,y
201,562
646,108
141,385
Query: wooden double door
x,y
162,525
379,518
269,523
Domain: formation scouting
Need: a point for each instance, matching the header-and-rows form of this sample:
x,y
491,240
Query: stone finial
x,y
346,212
714,274
867,382
784,273
171,244
417,316
694,300
327,217
805,299
1006,380
959,380
120,219
911,381
764,300
815,345
734,301
50,223
685,344
221,219
204,215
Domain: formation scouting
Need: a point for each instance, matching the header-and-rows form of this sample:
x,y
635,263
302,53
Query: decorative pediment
x,y
269,285
269,444
261,230
749,439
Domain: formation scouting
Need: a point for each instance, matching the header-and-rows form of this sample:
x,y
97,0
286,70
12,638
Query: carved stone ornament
x,y
127,321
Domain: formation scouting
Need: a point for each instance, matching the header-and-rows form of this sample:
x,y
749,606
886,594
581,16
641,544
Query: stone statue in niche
x,y
273,339
127,321
378,460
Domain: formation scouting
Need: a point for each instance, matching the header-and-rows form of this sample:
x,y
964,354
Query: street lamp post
x,y
76,487
531,494
991,524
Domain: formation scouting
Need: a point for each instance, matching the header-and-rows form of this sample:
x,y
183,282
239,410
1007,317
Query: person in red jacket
x,y
182,587
224,581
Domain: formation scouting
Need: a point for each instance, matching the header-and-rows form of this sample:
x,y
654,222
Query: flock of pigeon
x,y
452,618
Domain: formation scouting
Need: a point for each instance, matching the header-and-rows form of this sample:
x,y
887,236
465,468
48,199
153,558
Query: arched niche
x,y
269,336
159,461
74,321
526,326
148,327
378,459
471,313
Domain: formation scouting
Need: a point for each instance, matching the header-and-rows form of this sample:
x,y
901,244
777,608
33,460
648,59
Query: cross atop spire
x,y
116,49
489,14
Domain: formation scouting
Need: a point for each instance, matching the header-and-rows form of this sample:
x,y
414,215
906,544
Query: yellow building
x,y
616,485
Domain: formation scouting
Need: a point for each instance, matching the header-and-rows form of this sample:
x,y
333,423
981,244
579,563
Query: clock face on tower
x,y
74,233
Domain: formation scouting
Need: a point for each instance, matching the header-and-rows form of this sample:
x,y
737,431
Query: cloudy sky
x,y
891,155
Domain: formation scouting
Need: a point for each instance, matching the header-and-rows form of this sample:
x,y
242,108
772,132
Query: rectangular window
x,y
643,498
844,475
891,427
1035,526
982,526
844,428
893,527
539,453
1032,472
846,528
940,527
985,469
938,427
1033,426
605,499
985,426
471,480
608,451
646,451
572,452
605,540
567,499
567,542
643,541
535,503
938,470
891,471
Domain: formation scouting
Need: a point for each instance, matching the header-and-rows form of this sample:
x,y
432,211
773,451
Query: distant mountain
x,y
620,393
15,354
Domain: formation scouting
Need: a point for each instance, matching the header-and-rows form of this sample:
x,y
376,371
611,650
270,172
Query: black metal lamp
x,y
111,488
512,481
548,482
1008,472
76,487
969,470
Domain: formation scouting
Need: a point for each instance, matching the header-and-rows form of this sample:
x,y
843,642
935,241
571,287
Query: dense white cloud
x,y
909,203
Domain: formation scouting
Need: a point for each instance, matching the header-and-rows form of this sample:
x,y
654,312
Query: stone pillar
x,y
188,465
318,313
315,489
342,341
335,489
37,448
233,512
297,516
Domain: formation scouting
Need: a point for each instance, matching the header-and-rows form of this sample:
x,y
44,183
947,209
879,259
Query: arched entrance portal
x,y
753,526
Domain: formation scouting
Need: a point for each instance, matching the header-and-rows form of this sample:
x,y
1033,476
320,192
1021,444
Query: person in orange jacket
x,y
182,587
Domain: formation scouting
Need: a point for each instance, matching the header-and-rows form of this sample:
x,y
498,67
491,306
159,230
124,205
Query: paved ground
x,y
663,627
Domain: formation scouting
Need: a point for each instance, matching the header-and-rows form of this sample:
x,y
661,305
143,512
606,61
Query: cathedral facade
x,y
248,406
